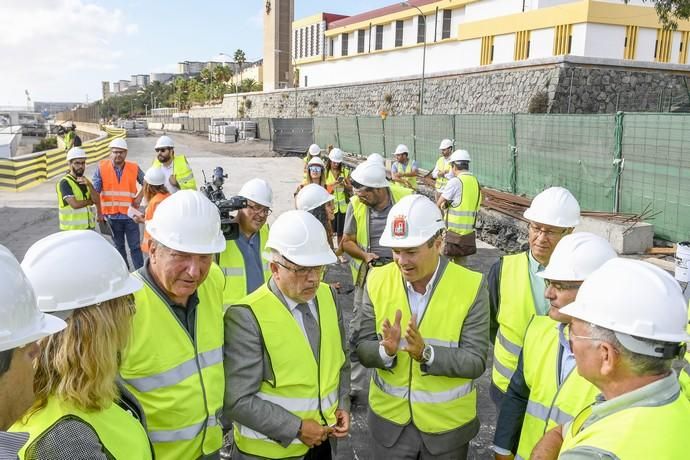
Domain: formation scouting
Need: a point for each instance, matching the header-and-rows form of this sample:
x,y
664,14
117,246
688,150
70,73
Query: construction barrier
x,y
17,174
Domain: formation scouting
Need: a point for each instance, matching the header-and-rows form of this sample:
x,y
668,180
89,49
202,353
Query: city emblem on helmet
x,y
399,227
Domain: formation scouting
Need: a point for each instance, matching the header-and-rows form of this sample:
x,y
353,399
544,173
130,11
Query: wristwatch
x,y
426,354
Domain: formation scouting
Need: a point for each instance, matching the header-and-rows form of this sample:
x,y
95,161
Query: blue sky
x,y
60,50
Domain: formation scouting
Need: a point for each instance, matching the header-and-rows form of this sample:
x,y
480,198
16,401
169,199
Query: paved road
x,y
27,216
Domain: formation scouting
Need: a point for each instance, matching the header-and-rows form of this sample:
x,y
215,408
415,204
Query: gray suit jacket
x,y
247,364
467,361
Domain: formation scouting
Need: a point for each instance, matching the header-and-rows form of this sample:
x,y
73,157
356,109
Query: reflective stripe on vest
x,y
340,199
437,404
75,219
443,168
462,218
183,173
179,381
515,310
117,195
301,385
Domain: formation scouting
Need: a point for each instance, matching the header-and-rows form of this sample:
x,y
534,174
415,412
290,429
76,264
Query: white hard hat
x,y
411,222
22,322
259,191
75,152
155,175
316,161
311,197
576,256
163,142
370,174
554,206
118,143
336,155
376,157
101,275
314,150
460,155
301,238
187,221
445,144
633,298
400,149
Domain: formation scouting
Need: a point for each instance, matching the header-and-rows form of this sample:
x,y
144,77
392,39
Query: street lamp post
x,y
421,89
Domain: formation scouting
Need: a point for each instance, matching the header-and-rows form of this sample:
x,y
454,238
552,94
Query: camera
x,y
213,190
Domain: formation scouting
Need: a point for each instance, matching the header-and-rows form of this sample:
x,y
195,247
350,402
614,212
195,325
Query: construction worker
x,y
319,203
174,362
516,292
461,198
22,325
404,170
422,399
77,200
286,366
241,262
80,411
629,321
441,171
378,158
116,181
155,192
546,390
178,173
338,184
69,136
314,151
316,174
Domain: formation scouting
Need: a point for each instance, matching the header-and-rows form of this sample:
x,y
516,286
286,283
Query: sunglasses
x,y
314,169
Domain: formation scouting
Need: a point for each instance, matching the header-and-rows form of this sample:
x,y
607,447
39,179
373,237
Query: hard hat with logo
x,y
445,144
459,155
164,142
104,277
370,174
187,221
155,176
314,150
258,191
311,197
316,161
634,299
400,149
376,157
411,222
554,206
576,256
336,155
301,238
75,152
22,322
118,143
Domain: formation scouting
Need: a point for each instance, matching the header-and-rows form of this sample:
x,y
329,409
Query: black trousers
x,y
322,452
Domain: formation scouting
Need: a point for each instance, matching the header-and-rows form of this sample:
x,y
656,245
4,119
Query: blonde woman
x,y
77,413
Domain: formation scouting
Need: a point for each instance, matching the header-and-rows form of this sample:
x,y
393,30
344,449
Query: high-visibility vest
x,y
443,167
231,262
75,219
435,404
117,195
148,215
549,404
515,311
340,198
183,173
462,217
684,375
178,381
407,168
640,432
69,139
300,385
361,213
119,432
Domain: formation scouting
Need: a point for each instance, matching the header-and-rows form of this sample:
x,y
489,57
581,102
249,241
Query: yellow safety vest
x,y
121,435
462,217
178,381
361,213
684,375
407,169
300,385
340,198
183,173
549,404
515,311
443,168
435,404
232,264
75,219
648,432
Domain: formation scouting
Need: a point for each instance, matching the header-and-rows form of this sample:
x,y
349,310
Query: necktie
x,y
311,327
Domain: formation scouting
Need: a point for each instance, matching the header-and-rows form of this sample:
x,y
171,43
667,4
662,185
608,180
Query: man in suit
x,y
423,403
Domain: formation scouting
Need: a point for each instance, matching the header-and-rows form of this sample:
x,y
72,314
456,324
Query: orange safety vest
x,y
117,196
150,209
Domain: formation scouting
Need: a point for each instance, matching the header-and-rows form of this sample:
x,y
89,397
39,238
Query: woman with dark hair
x,y
317,201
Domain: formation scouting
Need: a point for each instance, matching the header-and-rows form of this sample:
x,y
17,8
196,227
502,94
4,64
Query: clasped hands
x,y
392,333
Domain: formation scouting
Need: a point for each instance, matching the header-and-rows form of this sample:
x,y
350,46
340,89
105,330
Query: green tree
x,y
670,11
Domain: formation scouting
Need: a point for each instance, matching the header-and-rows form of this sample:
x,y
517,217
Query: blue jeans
x,y
127,228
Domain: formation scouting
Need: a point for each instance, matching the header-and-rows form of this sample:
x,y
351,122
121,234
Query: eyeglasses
x,y
162,149
563,286
548,233
303,271
314,169
258,209
568,333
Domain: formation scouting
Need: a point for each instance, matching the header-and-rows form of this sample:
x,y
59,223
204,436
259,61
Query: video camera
x,y
213,190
